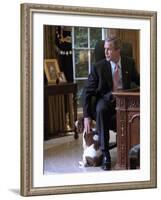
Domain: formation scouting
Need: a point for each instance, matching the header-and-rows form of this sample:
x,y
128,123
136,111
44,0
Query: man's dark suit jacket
x,y
100,84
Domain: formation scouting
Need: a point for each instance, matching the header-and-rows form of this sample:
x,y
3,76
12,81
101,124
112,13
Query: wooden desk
x,y
59,94
128,125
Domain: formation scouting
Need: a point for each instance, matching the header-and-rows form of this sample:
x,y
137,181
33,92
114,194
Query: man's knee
x,y
101,107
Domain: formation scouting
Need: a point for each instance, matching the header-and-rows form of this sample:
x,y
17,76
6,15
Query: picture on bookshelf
x,y
61,77
52,70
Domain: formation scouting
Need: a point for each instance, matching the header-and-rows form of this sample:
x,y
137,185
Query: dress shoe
x,y
106,166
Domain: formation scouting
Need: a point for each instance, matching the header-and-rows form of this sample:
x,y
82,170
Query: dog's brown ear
x,y
88,138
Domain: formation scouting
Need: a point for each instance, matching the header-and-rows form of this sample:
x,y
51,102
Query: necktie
x,y
116,77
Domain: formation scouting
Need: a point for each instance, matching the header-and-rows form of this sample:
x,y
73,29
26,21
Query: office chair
x,y
99,52
134,157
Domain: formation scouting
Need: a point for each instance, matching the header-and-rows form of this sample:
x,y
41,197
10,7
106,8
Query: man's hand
x,y
87,124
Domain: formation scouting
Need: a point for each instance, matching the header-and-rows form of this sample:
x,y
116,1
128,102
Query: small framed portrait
x,y
61,77
52,70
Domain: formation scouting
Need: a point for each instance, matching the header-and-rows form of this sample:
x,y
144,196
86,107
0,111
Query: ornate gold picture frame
x,y
31,83
52,70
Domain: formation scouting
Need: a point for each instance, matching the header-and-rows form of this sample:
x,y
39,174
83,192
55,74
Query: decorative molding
x,y
133,102
120,103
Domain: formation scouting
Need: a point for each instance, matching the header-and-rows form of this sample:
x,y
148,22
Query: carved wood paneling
x,y
121,136
133,102
120,103
128,126
49,42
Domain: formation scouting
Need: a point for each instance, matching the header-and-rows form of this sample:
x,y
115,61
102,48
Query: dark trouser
x,y
105,120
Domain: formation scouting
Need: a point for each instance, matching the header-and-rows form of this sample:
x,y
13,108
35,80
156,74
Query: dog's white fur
x,y
89,151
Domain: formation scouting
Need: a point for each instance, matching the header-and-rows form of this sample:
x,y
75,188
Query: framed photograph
x,y
61,77
35,180
51,70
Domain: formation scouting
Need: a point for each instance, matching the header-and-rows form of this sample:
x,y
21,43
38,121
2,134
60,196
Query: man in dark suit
x,y
108,75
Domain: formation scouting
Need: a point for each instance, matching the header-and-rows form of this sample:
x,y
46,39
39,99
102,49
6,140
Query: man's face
x,y
111,53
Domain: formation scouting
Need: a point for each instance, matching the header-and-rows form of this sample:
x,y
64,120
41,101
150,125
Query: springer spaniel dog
x,y
92,154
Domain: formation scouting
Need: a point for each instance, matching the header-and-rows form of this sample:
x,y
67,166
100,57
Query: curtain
x,y
63,46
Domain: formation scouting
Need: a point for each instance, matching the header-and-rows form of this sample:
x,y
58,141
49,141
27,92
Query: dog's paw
x,y
81,164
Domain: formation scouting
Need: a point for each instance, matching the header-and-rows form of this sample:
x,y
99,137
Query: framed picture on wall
x,y
33,18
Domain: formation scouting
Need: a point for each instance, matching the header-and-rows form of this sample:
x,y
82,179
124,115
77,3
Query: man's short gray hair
x,y
115,40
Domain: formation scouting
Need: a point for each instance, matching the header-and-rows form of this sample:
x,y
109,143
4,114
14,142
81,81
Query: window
x,y
83,43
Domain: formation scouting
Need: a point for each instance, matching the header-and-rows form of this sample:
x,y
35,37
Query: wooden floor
x,y
62,155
